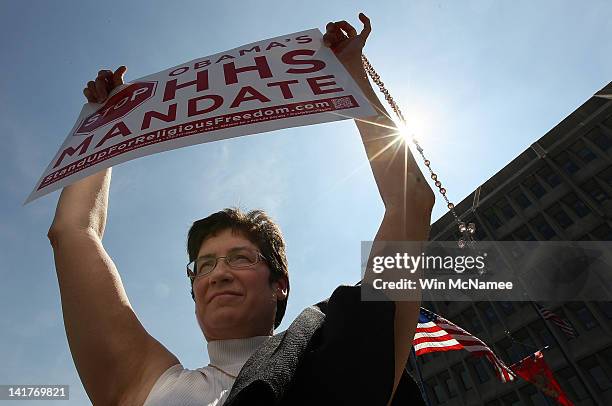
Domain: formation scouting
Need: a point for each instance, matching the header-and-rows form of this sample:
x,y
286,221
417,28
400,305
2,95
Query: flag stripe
x,y
441,339
430,334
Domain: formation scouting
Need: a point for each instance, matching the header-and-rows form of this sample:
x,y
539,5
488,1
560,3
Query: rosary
x,y
466,231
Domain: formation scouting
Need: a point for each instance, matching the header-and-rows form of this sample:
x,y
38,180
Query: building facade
x,y
558,189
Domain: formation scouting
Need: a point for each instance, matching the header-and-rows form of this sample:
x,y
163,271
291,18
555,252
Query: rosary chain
x,y
468,231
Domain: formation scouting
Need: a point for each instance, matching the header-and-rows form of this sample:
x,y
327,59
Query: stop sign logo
x,y
117,106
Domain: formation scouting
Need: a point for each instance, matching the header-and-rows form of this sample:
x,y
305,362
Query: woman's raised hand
x,y
98,90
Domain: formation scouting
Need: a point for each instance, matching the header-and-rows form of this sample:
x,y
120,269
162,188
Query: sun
x,y
405,132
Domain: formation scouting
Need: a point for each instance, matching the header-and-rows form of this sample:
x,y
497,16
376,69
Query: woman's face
x,y
235,303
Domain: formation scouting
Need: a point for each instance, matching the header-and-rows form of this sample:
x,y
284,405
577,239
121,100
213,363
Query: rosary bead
x,y
450,206
427,162
438,183
434,176
443,191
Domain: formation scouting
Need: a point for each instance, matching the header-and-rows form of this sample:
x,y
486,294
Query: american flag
x,y
563,324
435,333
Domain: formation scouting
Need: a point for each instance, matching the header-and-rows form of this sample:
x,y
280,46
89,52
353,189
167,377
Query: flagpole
x,y
595,398
526,351
422,385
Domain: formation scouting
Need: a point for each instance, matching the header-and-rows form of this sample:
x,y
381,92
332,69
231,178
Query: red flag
x,y
535,370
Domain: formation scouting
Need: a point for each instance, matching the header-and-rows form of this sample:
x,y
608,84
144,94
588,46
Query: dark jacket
x,y
337,352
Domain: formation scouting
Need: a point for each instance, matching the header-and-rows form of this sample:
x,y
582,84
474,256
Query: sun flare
x,y
405,133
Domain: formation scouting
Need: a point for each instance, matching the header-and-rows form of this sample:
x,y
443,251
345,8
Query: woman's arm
x,y
407,197
114,355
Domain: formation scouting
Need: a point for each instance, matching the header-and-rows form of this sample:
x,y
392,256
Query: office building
x,y
560,188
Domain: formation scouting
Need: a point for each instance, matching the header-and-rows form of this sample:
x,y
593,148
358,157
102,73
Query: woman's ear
x,y
280,288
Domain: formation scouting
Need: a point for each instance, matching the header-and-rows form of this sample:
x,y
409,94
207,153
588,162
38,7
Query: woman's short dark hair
x,y
258,228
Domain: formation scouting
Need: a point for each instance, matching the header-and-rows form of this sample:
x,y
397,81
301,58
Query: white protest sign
x,y
287,81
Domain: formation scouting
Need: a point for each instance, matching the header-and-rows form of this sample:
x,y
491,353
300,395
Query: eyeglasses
x,y
242,258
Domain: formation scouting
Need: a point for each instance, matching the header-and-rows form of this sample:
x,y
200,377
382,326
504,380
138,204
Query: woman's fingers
x,y
331,37
347,28
338,32
90,98
91,87
97,91
367,27
101,90
118,76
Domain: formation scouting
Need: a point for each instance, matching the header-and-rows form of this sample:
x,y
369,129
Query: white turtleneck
x,y
178,386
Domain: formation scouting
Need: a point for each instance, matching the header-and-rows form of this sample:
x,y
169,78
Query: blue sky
x,y
478,80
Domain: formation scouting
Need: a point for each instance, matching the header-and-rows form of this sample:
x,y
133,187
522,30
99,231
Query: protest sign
x,y
287,81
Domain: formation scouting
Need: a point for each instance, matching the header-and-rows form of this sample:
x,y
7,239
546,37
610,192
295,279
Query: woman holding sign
x,y
340,351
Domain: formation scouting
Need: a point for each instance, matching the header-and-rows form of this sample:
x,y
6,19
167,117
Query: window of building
x,y
542,333
489,313
542,226
481,235
511,399
492,219
463,376
606,308
603,232
595,191
583,151
523,234
519,197
597,136
571,383
549,176
561,217
534,186
566,163
596,372
508,347
506,210
469,315
522,336
606,176
506,307
583,314
607,355
449,384
579,207
535,396
479,369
